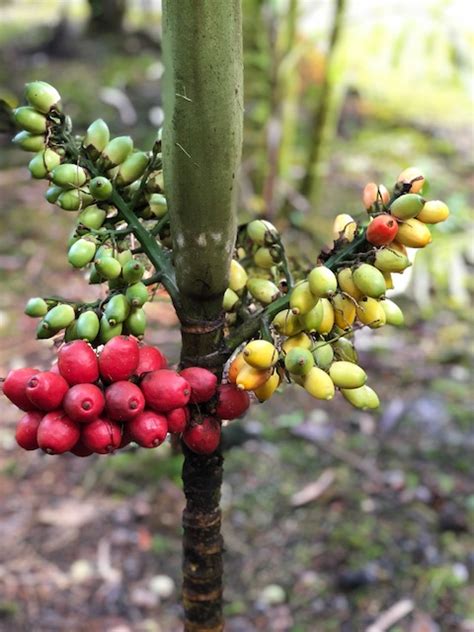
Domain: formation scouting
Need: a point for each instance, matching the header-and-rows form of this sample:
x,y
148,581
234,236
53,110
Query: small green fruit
x,y
36,307
42,96
312,319
124,256
262,232
230,300
158,205
108,267
69,176
117,309
137,294
60,316
52,193
322,282
363,397
107,331
74,199
299,361
393,313
88,325
101,188
323,355
369,280
263,291
30,120
132,168
116,151
92,217
81,253
29,142
71,332
44,331
345,350
96,138
347,374
43,162
133,271
407,206
302,300
135,323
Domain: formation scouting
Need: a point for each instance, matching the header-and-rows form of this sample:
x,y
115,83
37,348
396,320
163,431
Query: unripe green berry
x,y
262,232
43,162
44,331
116,151
158,205
137,294
42,96
92,217
299,361
88,325
81,253
101,188
30,120
69,176
369,280
29,142
133,271
36,307
108,267
96,138
135,324
132,168
117,309
60,316
107,331
74,199
52,193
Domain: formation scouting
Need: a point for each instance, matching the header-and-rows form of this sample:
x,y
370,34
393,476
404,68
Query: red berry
x,y
203,383
382,230
80,449
14,387
46,390
150,359
27,429
57,433
203,438
149,429
77,363
119,359
124,401
177,419
102,436
165,390
231,401
84,402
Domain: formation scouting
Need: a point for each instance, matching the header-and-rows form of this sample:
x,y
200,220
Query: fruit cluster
x,y
310,322
84,174
91,402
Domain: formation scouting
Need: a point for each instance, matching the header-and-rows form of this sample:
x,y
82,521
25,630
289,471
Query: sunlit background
x,y
331,516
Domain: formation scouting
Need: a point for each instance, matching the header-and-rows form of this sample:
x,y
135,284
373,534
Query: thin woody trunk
x,y
202,140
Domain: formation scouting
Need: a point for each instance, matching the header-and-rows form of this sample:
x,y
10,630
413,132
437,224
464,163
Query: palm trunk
x,y
202,140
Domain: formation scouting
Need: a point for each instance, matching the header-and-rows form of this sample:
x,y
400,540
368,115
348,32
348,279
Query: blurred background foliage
x,y
337,93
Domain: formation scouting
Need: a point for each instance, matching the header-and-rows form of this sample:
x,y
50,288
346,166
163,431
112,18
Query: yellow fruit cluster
x,y
308,336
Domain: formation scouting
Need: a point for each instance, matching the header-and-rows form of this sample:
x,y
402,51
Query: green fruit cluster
x,y
84,175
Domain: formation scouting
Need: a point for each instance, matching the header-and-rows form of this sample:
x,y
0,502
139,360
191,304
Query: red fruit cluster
x,y
98,403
